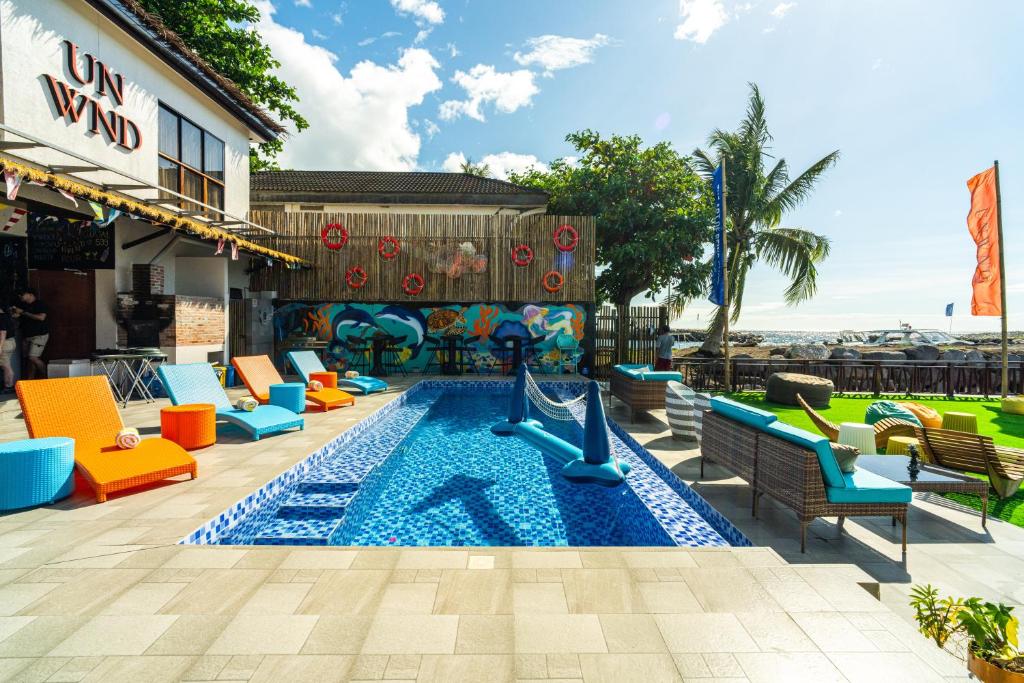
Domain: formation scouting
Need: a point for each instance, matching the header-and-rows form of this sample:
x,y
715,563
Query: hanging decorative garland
x,y
574,237
356,277
522,255
388,248
553,281
412,284
334,243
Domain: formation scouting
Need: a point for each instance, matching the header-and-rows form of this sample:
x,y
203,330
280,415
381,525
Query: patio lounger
x,y
198,383
307,362
974,453
640,387
258,373
884,428
83,409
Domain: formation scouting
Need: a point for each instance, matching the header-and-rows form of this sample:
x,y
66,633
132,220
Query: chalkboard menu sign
x,y
56,243
13,270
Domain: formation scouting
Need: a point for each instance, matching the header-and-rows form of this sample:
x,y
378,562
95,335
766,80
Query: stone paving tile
x,y
632,633
263,634
613,668
485,634
320,668
773,667
114,635
412,634
554,633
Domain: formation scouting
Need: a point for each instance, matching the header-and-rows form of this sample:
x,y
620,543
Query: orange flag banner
x,y
983,224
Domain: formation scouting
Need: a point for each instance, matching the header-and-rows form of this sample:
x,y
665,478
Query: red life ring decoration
x,y
388,248
331,243
522,255
553,281
356,277
412,284
574,237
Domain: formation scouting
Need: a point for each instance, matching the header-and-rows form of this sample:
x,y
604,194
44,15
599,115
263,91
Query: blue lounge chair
x,y
197,383
306,363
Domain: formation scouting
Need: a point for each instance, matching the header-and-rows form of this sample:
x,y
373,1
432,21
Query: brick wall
x,y
194,319
147,278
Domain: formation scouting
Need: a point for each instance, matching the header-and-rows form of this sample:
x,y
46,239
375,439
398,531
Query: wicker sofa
x,y
640,387
796,468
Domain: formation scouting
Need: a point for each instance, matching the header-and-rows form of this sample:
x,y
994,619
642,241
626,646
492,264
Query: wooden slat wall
x,y
298,233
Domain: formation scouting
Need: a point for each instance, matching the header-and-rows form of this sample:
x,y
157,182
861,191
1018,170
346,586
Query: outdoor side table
x,y
900,445
191,426
36,471
927,479
860,436
328,379
290,395
960,422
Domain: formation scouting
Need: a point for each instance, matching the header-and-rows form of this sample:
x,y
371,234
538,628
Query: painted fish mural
x,y
490,322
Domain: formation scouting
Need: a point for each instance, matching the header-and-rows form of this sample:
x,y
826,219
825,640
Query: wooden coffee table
x,y
929,479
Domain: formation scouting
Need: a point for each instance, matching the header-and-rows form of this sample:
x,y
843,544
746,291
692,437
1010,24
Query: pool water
x,y
432,474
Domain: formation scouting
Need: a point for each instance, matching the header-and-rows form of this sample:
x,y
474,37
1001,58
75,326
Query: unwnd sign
x,y
75,106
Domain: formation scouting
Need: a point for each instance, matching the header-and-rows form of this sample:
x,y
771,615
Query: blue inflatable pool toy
x,y
592,464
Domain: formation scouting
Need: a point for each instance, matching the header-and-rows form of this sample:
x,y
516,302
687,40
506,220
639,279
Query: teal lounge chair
x,y
307,362
198,383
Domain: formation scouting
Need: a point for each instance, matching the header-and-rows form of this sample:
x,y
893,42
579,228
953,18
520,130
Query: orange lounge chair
x,y
83,408
258,373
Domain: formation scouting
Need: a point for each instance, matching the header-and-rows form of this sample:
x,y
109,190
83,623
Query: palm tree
x,y
481,170
757,199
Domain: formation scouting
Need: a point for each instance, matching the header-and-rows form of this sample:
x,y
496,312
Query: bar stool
x,y
858,435
358,354
290,395
393,356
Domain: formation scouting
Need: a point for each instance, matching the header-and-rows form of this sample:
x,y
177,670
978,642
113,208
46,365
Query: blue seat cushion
x,y
741,412
867,487
645,373
830,472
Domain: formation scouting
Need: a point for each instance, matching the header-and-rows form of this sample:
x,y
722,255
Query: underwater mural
x,y
557,327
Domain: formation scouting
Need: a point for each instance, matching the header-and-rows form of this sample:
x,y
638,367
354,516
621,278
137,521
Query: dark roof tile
x,y
382,182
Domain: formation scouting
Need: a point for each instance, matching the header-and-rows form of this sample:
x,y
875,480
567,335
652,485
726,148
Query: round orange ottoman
x,y
191,426
328,379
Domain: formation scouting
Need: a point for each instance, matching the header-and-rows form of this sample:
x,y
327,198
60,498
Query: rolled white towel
x,y
351,374
315,385
128,437
248,404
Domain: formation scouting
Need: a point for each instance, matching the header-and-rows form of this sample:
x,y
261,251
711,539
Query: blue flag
x,y
717,295
949,310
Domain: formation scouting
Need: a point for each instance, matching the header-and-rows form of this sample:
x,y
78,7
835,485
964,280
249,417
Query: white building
x,y
98,99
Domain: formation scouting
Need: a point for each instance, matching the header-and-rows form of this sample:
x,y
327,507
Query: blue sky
x,y
918,95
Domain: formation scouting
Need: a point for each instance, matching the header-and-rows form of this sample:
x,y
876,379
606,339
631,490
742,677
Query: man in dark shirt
x,y
7,346
35,329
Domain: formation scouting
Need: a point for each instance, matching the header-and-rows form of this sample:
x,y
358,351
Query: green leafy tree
x,y
220,32
759,193
653,213
480,170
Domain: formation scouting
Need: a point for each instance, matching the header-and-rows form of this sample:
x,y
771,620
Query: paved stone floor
x,y
103,592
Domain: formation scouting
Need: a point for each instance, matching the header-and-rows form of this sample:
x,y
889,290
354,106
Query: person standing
x,y
665,342
7,347
35,331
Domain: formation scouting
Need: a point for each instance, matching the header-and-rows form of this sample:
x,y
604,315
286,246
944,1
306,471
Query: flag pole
x,y
727,375
1004,376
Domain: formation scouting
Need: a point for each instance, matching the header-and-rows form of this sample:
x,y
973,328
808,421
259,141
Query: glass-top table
x,y
929,478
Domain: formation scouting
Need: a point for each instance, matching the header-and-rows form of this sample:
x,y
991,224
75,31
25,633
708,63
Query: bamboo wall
x,y
420,236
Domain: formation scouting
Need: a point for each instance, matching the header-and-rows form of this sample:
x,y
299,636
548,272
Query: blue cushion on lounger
x,y
645,373
830,471
741,412
867,487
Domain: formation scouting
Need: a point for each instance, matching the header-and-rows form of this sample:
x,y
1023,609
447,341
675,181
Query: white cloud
x,y
768,29
782,9
430,128
422,35
701,18
373,39
303,3
319,36
552,53
424,10
337,18
877,64
357,121
507,90
500,164
453,51
838,212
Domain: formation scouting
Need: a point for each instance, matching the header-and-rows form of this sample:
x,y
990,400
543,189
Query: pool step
x,y
304,527
318,500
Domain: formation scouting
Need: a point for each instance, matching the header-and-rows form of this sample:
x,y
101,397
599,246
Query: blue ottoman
x,y
36,471
290,395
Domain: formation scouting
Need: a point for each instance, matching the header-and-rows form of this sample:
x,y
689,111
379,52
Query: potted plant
x,y
990,631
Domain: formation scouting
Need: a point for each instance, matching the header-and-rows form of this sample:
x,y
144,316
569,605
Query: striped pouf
x,y
685,409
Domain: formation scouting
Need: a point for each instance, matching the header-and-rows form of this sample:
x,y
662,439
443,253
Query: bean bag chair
x,y
880,410
928,417
783,387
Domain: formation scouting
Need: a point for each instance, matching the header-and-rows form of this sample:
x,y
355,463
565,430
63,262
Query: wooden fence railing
x,y
638,342
948,378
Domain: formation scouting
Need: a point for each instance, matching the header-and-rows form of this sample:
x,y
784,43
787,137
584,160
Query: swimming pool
x,y
425,470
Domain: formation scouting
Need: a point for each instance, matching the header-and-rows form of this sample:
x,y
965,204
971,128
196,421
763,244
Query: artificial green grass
x,y
1005,430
